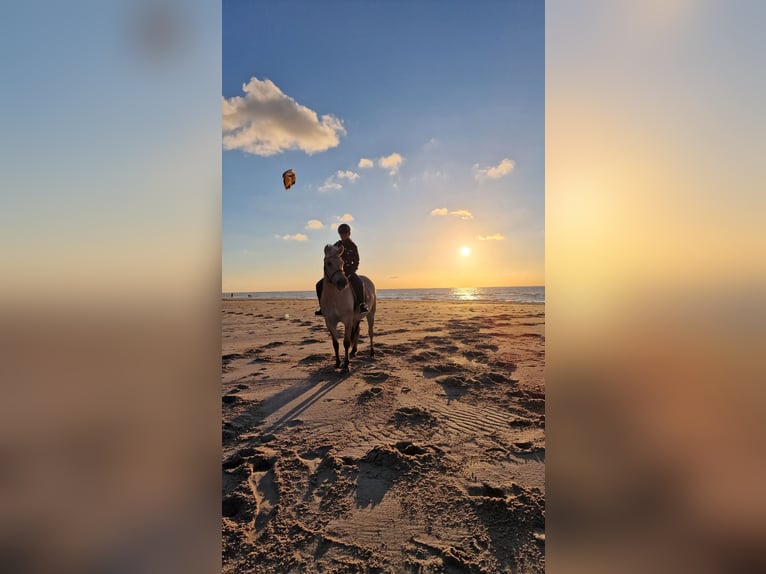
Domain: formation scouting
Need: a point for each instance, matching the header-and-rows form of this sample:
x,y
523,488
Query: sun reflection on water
x,y
465,294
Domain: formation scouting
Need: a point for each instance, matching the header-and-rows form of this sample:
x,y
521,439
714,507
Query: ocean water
x,y
490,294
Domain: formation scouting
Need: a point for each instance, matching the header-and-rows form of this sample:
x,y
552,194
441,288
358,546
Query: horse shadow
x,y
309,392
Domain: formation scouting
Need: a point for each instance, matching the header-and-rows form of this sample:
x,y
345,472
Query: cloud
x,y
330,185
429,176
494,172
345,218
461,213
314,224
494,237
296,237
433,143
349,175
391,162
365,163
266,121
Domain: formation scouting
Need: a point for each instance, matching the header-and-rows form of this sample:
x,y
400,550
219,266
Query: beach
x,y
427,457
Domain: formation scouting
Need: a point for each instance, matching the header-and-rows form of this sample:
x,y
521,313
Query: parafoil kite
x,y
288,178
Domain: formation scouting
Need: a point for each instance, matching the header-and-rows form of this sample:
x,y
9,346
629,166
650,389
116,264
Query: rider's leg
x,y
319,285
356,283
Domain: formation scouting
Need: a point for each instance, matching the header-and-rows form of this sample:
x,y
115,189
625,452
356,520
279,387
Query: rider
x,y
350,258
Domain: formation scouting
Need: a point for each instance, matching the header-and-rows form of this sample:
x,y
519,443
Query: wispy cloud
x,y
494,172
314,224
332,183
345,218
296,237
266,121
349,175
461,213
391,162
494,237
365,163
429,176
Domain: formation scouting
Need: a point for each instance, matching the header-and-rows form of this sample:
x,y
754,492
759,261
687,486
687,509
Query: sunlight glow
x,y
465,251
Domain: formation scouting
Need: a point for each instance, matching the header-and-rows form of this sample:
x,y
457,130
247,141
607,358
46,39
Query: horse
x,y
337,304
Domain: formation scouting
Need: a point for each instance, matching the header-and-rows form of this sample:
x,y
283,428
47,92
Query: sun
x,y
465,251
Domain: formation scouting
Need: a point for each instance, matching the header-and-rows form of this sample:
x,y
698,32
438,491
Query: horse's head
x,y
333,266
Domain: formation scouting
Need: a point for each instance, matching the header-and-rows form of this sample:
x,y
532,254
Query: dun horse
x,y
337,305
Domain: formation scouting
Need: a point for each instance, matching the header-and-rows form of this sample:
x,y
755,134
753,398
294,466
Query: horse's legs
x,y
355,338
348,332
336,346
370,323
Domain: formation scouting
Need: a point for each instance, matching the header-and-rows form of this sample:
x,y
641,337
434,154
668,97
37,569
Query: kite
x,y
288,178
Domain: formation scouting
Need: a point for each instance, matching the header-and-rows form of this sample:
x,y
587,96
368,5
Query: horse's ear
x,y
340,250
327,249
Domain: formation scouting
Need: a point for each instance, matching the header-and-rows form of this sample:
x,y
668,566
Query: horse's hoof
x,y
344,369
353,353
372,353
337,365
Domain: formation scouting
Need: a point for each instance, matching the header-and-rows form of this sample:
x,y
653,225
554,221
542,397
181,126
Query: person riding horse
x,y
350,257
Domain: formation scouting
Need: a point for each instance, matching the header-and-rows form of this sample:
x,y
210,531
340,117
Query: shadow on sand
x,y
327,378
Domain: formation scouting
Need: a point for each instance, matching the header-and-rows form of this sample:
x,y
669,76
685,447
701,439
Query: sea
x,y
480,294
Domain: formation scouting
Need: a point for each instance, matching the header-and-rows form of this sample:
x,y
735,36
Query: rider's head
x,y
344,229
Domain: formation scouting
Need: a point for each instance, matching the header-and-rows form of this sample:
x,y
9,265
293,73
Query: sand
x,y
427,457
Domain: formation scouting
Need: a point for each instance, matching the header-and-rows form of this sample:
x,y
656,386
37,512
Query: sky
x,y
421,124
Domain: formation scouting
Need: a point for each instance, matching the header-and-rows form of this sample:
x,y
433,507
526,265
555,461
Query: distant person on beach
x,y
350,258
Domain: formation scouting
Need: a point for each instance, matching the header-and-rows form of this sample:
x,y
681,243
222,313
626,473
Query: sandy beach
x,y
428,457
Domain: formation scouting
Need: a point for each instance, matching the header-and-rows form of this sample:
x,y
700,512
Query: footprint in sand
x,y
314,358
369,394
266,495
375,376
230,399
414,416
233,505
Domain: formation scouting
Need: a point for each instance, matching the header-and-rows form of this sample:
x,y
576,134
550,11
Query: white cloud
x,y
296,237
365,163
391,162
461,213
349,175
494,172
494,237
314,224
266,121
330,185
433,143
345,218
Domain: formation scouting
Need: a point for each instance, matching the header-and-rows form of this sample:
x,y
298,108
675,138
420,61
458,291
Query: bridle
x,y
329,277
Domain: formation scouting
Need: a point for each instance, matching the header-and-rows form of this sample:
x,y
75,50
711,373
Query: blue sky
x,y
419,123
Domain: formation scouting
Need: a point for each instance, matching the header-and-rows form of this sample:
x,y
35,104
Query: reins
x,y
329,277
